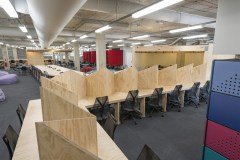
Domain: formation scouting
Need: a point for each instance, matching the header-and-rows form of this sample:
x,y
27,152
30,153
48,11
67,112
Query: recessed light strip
x,y
140,37
155,7
196,36
107,27
186,29
117,41
158,41
9,9
84,36
23,29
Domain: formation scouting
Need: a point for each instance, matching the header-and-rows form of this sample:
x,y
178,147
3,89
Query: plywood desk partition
x,y
52,70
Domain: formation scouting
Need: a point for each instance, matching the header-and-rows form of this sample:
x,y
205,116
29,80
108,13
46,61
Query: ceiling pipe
x,y
51,16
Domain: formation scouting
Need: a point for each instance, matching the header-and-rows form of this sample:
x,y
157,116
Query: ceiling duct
x,y
51,16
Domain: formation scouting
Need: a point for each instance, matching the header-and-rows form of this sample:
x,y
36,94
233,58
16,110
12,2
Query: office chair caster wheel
x,y
135,123
179,110
162,116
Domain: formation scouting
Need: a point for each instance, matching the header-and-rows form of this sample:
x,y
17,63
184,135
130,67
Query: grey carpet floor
x,y
177,136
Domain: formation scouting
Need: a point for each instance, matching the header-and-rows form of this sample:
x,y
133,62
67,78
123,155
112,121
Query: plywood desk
x,y
27,147
52,70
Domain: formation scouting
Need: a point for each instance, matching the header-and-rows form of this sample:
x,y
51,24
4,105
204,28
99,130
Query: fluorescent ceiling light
x,y
120,45
67,43
110,46
147,45
93,45
29,37
155,7
117,41
9,9
32,41
7,44
186,29
140,37
196,36
158,41
136,43
84,36
107,27
1,43
23,29
74,40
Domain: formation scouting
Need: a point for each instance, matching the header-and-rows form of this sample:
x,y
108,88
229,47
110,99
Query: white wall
x,y
127,56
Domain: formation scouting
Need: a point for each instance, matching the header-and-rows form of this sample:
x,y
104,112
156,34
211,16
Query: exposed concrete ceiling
x,y
97,13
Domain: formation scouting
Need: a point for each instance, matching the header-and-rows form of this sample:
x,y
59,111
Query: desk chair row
x,y
10,136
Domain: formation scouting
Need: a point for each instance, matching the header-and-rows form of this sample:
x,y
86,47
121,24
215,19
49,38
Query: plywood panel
x,y
194,58
148,78
83,131
167,76
54,146
184,74
126,80
59,90
78,84
100,83
35,58
56,107
199,73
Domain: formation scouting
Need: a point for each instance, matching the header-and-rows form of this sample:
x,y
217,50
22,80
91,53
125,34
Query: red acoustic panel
x,y
93,57
85,56
223,140
115,57
107,58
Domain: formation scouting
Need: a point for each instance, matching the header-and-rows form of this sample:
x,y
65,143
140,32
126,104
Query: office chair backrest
x,y
177,90
101,107
206,86
110,126
132,95
24,68
10,139
157,95
147,154
195,88
21,113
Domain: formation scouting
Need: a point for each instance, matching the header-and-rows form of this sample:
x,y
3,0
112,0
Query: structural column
x,y
15,56
5,58
76,56
66,57
61,56
101,50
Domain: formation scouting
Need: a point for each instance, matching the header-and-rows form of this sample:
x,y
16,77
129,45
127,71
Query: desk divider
x,y
53,144
167,76
100,83
148,78
126,80
59,90
67,129
199,73
184,74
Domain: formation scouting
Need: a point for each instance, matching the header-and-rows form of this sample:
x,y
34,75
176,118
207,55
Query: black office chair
x,y
10,139
24,70
147,154
192,95
154,102
21,113
101,109
130,107
174,98
110,126
204,92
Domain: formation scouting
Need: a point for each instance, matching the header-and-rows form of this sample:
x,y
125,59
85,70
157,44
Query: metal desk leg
x,y
164,102
117,112
142,106
182,93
